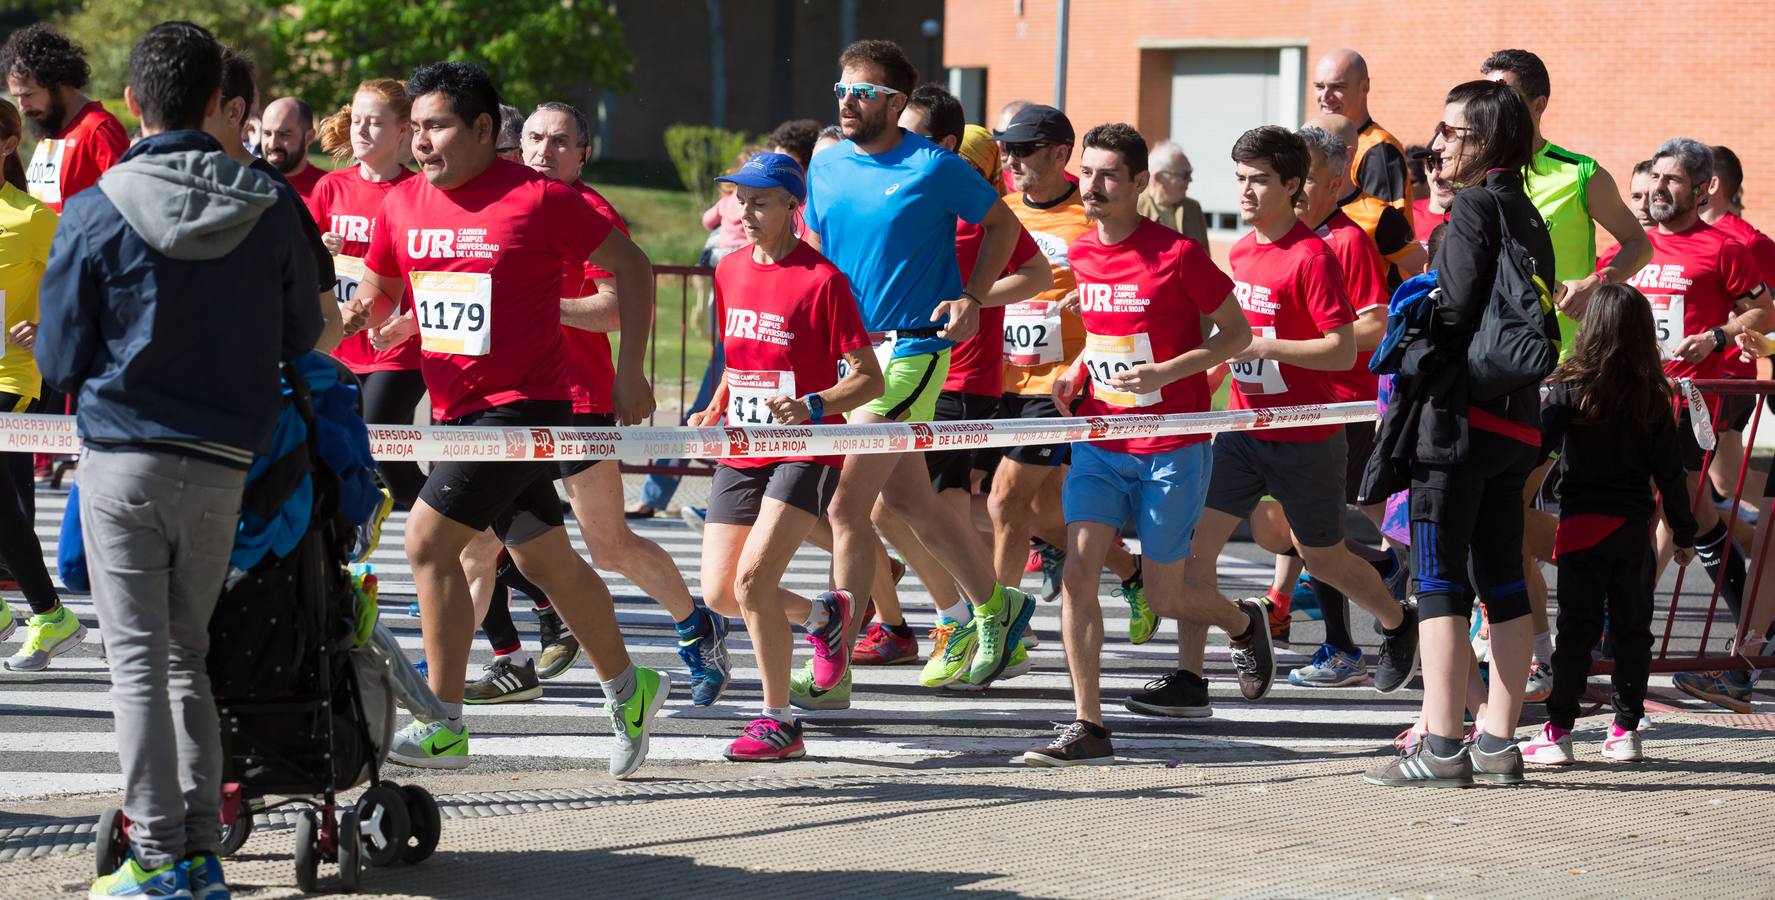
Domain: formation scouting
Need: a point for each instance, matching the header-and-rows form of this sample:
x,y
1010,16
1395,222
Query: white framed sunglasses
x,y
862,90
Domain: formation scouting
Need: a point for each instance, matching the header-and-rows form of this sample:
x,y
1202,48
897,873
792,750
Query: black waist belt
x,y
904,333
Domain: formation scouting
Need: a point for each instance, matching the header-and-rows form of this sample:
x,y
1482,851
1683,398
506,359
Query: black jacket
x,y
1428,419
1608,468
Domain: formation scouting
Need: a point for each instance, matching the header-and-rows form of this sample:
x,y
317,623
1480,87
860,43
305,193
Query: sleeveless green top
x,y
1556,185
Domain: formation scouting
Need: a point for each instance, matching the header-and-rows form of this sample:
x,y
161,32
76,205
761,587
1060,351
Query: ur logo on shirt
x,y
431,243
1254,298
1667,277
356,229
742,323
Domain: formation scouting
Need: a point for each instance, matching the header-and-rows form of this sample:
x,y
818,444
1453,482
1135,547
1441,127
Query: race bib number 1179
x,y
455,312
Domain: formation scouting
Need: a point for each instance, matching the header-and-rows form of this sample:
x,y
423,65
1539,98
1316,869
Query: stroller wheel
x,y
110,843
307,850
384,824
427,823
235,833
351,851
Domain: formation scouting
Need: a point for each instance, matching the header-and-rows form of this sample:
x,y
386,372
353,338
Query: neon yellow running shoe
x,y
46,637
952,654
1142,622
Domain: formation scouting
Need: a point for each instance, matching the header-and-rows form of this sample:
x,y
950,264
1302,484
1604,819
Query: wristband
x,y
816,407
1719,339
973,298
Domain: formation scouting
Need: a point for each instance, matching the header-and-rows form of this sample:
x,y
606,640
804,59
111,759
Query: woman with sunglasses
x,y
1470,458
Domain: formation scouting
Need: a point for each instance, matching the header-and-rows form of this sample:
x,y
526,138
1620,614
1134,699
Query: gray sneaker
x,y
632,720
1502,767
1421,768
502,682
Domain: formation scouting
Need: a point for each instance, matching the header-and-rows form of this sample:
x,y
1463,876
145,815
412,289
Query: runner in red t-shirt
x,y
1705,290
472,255
1293,292
788,318
375,131
287,129
1735,413
555,143
1142,290
77,138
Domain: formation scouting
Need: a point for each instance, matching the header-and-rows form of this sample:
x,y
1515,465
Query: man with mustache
x,y
77,139
286,131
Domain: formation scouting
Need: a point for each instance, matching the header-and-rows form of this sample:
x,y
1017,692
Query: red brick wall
x,y
1619,86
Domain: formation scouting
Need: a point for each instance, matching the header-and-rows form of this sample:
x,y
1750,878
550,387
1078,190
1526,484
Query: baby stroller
x,y
304,677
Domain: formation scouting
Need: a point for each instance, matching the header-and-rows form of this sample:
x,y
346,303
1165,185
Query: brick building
x,y
1202,71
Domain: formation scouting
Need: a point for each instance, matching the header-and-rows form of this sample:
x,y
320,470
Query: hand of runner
x,y
1576,297
1684,555
964,319
788,410
24,334
355,316
1254,350
631,398
333,241
1695,347
394,332
1070,302
703,418
1066,387
1754,345
1141,379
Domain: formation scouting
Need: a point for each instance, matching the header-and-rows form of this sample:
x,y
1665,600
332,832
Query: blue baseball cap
x,y
771,170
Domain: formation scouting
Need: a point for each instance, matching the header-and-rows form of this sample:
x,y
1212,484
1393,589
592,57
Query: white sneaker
x,y
694,516
1625,747
1543,750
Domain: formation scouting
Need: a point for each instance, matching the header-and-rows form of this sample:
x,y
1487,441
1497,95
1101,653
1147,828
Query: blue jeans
x,y
657,491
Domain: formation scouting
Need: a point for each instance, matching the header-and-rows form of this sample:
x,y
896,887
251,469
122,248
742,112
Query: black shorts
x,y
1360,436
1024,406
954,468
1735,411
1305,477
568,468
738,494
1687,447
516,499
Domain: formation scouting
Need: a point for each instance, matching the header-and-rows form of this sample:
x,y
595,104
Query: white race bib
x,y
1667,318
348,273
748,391
1259,377
1109,354
455,312
43,179
1032,333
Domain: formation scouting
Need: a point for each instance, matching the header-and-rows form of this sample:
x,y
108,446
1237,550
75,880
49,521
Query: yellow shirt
x,y
1054,229
26,227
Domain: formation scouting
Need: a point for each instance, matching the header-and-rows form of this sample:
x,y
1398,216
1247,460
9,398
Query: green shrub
x,y
700,153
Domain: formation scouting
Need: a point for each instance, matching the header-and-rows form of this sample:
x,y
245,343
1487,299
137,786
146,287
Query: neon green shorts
x,y
913,383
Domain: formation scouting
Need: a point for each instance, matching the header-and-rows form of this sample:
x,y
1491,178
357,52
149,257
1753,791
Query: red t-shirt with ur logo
x,y
1291,290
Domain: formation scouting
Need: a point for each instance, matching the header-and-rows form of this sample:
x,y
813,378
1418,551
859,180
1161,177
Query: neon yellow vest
x,y
1557,184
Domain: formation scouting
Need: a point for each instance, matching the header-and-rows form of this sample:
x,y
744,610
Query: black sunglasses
x,y
1026,148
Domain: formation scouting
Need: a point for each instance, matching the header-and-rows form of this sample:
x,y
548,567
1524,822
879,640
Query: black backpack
x,y
1511,349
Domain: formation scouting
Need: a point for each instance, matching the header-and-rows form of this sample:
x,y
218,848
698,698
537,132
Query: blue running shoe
x,y
705,655
1305,599
1330,667
204,873
131,880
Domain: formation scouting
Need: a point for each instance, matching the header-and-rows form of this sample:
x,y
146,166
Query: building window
x,y
1219,93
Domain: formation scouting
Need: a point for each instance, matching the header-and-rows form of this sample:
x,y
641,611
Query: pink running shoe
x,y
831,657
1545,749
768,740
1623,746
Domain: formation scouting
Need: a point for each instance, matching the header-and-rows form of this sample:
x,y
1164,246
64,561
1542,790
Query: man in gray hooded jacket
x,y
174,290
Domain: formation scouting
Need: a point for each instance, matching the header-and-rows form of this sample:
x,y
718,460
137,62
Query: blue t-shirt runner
x,y
888,222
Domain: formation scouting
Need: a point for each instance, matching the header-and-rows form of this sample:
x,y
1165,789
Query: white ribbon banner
x,y
22,433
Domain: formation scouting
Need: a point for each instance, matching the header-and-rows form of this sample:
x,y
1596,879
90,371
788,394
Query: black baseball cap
x,y
1036,123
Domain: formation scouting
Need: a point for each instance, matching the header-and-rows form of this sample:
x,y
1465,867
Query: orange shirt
x,y
1033,357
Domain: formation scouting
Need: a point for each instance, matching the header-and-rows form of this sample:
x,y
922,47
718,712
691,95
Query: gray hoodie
x,y
192,205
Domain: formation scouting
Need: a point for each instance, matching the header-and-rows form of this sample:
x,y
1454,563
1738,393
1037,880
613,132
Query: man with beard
x,y
883,207
1705,290
77,139
286,131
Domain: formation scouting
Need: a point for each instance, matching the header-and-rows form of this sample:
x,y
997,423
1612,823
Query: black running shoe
x,y
1398,657
1255,657
1179,695
1073,745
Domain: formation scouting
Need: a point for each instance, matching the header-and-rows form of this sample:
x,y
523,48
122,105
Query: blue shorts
x,y
1162,492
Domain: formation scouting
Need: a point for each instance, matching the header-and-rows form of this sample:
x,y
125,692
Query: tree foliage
x,y
701,152
535,49
109,28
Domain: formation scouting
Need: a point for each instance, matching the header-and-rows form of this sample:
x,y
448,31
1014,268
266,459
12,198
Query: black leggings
x,y
19,547
1471,513
497,625
389,399
1615,577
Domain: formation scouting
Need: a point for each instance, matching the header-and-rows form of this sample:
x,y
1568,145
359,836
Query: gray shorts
x,y
1306,478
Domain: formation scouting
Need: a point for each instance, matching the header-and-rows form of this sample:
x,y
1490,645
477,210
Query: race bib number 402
x,y
1108,355
1032,333
455,312
43,179
748,393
